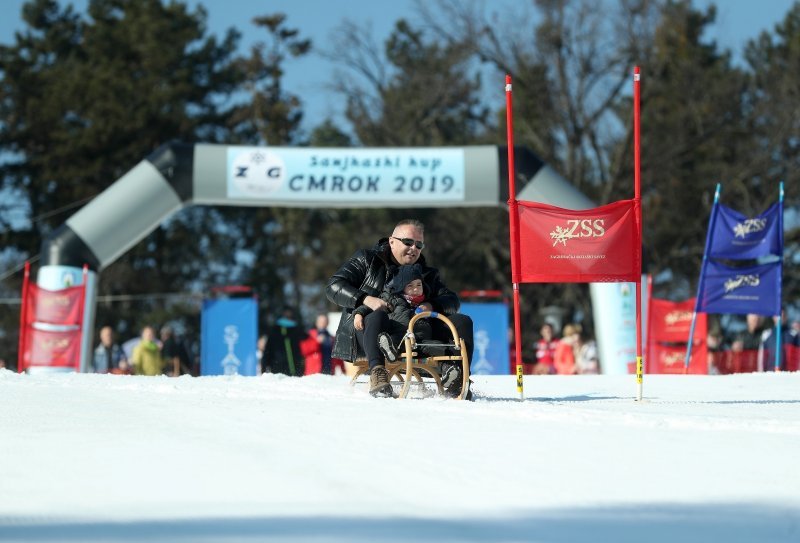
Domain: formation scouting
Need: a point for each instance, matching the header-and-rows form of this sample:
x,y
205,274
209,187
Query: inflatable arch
x,y
178,174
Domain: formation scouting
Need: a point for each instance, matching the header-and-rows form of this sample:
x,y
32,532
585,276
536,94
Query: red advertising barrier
x,y
791,360
52,348
670,322
668,327
727,362
671,359
50,332
63,307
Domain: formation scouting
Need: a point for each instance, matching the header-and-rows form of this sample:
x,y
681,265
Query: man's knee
x,y
461,322
379,317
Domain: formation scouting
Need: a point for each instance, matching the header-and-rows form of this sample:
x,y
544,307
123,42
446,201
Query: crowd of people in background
x,y
286,348
754,348
290,349
575,352
151,355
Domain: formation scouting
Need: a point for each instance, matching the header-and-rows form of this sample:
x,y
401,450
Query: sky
x,y
737,21
109,458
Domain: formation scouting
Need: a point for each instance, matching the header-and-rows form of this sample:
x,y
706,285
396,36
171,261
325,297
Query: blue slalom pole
x,y
779,325
711,222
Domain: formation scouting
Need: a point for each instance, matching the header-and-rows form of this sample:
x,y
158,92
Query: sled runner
x,y
422,362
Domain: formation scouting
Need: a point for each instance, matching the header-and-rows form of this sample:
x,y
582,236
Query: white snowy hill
x,y
90,458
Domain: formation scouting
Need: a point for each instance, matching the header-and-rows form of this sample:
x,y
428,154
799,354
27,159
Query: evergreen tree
x,y
424,92
773,115
85,98
692,138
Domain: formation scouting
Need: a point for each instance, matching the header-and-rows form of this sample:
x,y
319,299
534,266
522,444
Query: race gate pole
x,y
513,223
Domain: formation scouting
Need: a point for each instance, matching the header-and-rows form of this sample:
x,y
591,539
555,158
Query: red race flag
x,y
597,245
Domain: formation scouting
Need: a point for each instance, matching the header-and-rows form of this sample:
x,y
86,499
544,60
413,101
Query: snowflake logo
x,y
561,235
748,227
751,280
740,230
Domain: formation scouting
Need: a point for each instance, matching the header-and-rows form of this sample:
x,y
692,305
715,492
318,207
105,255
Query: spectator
x,y
261,347
146,357
108,355
546,351
283,354
170,351
564,359
766,353
746,346
750,339
716,351
360,281
317,347
586,358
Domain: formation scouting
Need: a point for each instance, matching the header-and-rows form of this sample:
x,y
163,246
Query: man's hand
x,y
425,306
374,303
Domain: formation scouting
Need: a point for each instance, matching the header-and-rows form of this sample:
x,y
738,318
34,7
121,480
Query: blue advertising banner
x,y
754,289
491,338
229,332
736,236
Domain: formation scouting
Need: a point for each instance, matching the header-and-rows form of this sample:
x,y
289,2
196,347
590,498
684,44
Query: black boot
x,y
386,345
452,381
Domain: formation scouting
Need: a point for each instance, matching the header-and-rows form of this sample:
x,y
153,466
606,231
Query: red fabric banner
x,y
791,360
63,307
671,322
735,361
579,246
52,348
671,359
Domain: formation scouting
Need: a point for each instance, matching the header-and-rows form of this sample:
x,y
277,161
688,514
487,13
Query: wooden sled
x,y
421,360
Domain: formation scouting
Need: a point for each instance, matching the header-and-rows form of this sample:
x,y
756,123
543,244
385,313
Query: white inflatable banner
x,y
421,175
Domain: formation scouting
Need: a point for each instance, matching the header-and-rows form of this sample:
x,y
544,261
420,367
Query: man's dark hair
x,y
412,222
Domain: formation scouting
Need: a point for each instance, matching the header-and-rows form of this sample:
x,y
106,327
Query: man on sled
x,y
360,281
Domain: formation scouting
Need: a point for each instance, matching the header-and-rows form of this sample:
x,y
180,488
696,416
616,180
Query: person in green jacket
x,y
146,357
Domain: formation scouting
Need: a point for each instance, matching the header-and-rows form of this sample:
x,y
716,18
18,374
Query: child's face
x,y
414,288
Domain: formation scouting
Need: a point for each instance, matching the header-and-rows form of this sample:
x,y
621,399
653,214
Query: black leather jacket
x,y
365,274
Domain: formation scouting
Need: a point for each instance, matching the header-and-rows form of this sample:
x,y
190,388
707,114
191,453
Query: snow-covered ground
x,y
89,458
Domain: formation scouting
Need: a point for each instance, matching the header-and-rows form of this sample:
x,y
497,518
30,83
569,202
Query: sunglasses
x,y
408,242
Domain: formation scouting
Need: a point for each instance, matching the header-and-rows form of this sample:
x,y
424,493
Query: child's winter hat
x,y
405,274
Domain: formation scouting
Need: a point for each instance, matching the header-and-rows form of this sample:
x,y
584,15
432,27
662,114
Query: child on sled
x,y
404,293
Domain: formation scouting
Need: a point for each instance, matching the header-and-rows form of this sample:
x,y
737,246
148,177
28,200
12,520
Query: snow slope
x,y
122,458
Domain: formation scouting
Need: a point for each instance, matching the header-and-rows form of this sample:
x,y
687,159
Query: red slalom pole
x,y
513,228
23,318
638,205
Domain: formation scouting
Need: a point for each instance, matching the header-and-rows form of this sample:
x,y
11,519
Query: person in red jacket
x,y
317,347
546,351
565,350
